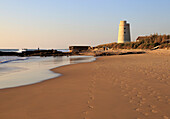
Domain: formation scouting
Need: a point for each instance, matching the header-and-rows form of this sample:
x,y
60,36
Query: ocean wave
x,y
8,59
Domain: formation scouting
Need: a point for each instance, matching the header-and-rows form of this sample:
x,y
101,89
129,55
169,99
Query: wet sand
x,y
114,87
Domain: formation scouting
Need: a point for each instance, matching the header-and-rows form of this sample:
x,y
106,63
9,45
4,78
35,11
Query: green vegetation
x,y
144,42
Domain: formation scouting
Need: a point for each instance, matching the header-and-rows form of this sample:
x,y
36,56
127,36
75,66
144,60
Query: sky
x,y
60,23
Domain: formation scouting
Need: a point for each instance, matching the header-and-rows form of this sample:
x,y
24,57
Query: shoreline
x,y
88,90
77,60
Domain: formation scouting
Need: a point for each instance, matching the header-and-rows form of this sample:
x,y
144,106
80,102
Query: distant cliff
x,y
142,42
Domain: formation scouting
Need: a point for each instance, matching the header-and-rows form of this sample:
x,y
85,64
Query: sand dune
x,y
113,87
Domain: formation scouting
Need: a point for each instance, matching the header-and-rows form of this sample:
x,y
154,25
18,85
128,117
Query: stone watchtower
x,y
124,32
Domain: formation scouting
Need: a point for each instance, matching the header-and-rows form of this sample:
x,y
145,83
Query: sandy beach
x,y
135,86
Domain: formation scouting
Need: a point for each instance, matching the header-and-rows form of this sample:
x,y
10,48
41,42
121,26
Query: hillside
x,y
143,42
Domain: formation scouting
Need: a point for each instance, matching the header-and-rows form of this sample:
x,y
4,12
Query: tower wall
x,y
124,32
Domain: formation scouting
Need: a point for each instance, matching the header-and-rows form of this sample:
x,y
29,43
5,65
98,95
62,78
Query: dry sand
x,y
113,87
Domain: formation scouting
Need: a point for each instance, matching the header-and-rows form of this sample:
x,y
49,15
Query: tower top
x,y
123,22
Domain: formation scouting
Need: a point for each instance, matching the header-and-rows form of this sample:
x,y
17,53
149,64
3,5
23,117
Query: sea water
x,y
19,71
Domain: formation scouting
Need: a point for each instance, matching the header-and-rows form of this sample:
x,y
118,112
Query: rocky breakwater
x,y
36,53
118,53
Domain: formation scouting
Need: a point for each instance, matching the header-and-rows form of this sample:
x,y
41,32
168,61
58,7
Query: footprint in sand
x,y
92,97
158,97
165,117
85,118
145,113
88,102
141,102
143,99
150,88
152,106
138,95
131,101
91,107
85,112
137,109
126,86
154,92
154,111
